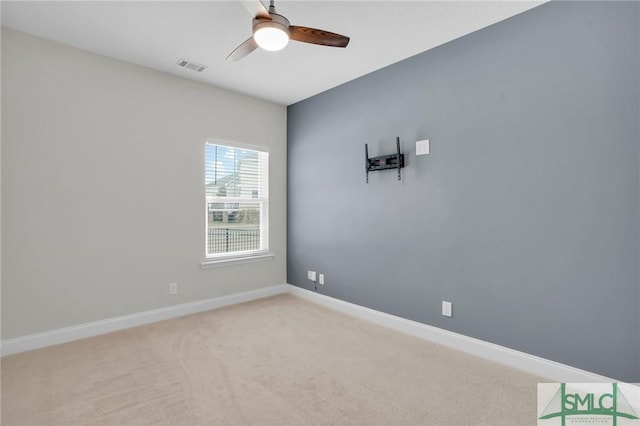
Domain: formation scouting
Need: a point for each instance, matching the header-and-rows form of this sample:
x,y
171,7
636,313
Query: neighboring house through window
x,y
237,201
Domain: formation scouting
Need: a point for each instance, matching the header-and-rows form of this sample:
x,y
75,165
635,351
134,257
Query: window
x,y
237,202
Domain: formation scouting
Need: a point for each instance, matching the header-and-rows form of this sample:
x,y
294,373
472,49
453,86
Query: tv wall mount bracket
x,y
384,162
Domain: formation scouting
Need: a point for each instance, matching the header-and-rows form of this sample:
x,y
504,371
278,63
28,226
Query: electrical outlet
x,y
447,309
321,279
173,288
311,275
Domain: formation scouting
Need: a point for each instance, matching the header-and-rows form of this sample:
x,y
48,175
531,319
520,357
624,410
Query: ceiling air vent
x,y
183,63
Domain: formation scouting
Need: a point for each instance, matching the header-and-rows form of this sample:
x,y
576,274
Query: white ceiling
x,y
157,34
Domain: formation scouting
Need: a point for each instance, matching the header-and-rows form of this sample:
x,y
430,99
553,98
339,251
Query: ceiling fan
x,y
272,31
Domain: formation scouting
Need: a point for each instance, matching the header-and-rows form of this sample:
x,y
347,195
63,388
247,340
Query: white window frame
x,y
223,259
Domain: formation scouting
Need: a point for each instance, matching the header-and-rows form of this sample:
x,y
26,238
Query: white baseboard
x,y
95,328
551,370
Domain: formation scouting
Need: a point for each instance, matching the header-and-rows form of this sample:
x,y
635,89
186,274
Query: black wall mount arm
x,y
384,162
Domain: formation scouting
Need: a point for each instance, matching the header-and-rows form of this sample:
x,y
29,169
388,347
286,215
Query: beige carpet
x,y
279,361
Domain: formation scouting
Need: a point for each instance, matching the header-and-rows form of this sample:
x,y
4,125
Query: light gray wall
x,y
103,186
526,213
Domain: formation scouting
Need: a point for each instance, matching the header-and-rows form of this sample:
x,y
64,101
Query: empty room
x,y
320,212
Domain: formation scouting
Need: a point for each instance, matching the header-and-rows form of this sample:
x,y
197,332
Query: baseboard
x,y
68,334
551,370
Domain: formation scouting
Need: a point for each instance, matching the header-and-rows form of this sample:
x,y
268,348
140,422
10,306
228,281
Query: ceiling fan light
x,y
271,36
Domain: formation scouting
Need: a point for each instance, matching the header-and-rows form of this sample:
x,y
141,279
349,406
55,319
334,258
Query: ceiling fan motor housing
x,y
276,21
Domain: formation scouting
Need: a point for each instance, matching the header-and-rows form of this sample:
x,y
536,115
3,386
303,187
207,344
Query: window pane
x,y
233,227
236,199
232,172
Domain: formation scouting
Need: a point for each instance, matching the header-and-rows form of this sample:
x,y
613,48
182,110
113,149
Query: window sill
x,y
215,263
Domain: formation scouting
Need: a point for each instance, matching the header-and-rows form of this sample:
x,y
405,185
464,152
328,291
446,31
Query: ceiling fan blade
x,y
315,36
256,9
248,46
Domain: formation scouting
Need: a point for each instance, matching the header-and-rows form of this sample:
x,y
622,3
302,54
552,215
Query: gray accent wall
x,y
526,213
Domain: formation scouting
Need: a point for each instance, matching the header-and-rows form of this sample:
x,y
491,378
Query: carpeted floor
x,y
280,360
